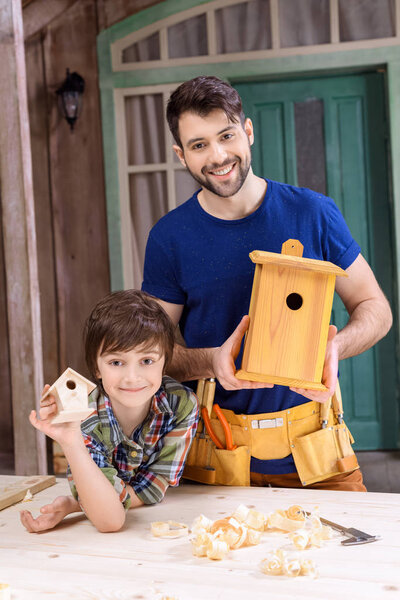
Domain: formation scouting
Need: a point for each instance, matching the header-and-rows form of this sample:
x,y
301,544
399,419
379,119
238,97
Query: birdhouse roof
x,y
70,374
298,262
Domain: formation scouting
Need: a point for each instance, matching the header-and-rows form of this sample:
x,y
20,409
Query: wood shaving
x,y
169,529
27,498
5,591
278,563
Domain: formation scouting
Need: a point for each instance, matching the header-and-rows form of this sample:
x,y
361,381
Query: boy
x,y
134,444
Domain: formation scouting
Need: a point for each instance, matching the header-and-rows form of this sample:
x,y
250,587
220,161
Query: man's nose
x,y
218,154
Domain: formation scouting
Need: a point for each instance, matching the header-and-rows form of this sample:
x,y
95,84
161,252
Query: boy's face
x,y
131,378
215,151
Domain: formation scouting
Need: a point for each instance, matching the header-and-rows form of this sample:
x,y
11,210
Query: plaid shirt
x,y
153,458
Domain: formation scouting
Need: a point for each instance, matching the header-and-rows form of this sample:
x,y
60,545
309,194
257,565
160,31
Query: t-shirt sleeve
x,y
99,454
165,466
340,246
160,278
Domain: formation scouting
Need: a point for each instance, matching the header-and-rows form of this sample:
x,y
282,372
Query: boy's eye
x,y
116,363
147,361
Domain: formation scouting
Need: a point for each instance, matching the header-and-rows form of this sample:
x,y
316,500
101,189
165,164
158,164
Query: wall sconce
x,y
70,96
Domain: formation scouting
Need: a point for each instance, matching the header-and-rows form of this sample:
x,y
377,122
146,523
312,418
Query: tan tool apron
x,y
318,453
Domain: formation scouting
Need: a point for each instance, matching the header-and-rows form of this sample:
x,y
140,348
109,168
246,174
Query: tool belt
x,y
314,433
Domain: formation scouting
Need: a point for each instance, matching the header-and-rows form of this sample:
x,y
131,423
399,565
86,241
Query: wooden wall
x,y
68,185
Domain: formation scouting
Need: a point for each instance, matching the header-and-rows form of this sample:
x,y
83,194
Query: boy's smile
x,y
130,380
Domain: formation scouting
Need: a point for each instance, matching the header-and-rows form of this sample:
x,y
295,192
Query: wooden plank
x,y
38,14
6,423
23,303
38,111
112,11
16,490
77,185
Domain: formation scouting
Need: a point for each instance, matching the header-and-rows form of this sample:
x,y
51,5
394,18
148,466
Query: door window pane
x,y
185,186
243,27
310,145
148,203
147,49
145,139
366,19
188,38
304,23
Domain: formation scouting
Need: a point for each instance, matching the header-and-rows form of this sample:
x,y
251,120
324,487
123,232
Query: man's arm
x,y
370,318
196,363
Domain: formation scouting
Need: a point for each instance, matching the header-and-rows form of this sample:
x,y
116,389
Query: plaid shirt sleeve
x,y
99,454
166,465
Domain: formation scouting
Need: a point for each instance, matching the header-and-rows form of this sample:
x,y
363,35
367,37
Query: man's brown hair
x,y
201,95
125,320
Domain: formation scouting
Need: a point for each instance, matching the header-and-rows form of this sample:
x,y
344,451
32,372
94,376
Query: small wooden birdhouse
x,y
290,309
71,392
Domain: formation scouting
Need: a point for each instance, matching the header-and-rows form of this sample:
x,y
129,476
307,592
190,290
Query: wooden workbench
x,y
74,561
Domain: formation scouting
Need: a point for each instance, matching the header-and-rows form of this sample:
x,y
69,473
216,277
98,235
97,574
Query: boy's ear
x,y
179,152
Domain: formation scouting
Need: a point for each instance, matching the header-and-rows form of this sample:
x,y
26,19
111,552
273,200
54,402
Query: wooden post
x,y
19,239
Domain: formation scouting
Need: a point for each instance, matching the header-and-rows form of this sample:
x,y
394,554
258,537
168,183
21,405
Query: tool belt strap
x,y
271,435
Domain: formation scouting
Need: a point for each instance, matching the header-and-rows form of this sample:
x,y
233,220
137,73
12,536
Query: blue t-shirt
x,y
202,262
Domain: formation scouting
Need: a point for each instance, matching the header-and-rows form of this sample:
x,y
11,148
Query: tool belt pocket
x,y
232,467
324,453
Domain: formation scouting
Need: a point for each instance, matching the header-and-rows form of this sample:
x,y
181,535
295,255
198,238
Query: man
x,y
197,264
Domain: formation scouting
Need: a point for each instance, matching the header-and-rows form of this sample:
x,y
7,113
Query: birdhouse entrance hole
x,y
294,301
70,383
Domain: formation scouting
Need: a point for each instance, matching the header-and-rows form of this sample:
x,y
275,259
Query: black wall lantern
x,y
70,96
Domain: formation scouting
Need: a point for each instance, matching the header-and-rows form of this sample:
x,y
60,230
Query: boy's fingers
x,y
26,520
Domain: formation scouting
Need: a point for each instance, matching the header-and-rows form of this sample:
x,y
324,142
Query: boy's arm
x,y
165,467
101,502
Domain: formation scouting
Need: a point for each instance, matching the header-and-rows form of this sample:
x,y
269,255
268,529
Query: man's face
x,y
215,151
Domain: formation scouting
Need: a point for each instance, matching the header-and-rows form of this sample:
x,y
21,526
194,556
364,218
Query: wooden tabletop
x,y
74,561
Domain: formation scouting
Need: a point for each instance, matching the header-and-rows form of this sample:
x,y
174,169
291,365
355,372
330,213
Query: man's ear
x,y
248,127
179,152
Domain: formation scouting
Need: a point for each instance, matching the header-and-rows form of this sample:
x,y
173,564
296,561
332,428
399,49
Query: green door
x,y
329,134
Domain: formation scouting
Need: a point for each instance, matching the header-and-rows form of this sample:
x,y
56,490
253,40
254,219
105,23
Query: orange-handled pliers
x,y
225,427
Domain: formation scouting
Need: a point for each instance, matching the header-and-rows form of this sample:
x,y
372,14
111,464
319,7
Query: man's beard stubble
x,y
211,187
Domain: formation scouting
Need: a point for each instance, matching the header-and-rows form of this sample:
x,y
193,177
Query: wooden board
x,y
16,488
76,562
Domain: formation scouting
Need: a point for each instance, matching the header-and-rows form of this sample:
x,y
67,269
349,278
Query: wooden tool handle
x,y
208,395
324,412
337,403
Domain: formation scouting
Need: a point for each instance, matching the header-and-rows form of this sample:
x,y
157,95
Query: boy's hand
x,y
52,514
63,433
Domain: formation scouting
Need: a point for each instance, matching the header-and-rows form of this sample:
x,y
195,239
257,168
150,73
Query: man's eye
x,y
228,136
147,361
198,146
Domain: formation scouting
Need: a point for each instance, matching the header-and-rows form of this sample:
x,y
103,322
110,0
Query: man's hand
x,y
223,361
330,371
52,514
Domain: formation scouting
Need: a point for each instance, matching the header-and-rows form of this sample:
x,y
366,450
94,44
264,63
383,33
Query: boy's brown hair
x,y
125,320
201,95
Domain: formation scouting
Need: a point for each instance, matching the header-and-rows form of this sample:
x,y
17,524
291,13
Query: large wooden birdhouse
x,y
71,392
290,310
